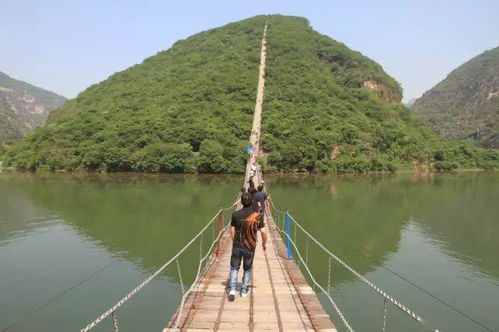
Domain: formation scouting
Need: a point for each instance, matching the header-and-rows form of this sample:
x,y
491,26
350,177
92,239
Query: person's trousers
x,y
246,256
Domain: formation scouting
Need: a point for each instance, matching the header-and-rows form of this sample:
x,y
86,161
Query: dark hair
x,y
252,191
243,190
246,199
260,187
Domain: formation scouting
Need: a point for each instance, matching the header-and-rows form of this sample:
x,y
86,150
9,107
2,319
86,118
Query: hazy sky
x,y
67,45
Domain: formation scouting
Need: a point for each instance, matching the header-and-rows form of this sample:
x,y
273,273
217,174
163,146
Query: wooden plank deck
x,y
280,298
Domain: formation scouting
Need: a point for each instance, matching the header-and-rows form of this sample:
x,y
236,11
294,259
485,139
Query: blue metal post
x,y
288,232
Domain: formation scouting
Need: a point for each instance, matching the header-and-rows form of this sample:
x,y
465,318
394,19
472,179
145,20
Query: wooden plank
x,y
297,305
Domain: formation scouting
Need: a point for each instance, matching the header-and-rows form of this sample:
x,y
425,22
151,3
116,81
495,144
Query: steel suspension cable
x,y
154,275
333,303
437,298
397,303
57,297
198,274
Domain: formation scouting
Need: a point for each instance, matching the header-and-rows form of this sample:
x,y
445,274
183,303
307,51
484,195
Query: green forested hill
x,y
185,109
465,105
190,109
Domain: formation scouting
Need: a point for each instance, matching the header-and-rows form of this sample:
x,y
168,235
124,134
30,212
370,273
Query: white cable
x,y
155,274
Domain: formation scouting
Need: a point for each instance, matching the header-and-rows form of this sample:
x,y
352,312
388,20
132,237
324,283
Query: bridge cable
x,y
397,303
42,306
156,273
333,303
208,255
393,272
438,299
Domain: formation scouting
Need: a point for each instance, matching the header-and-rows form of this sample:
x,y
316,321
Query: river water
x,y
440,232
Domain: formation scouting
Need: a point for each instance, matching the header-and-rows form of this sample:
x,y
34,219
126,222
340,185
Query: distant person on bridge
x,y
252,191
245,225
249,149
261,197
243,190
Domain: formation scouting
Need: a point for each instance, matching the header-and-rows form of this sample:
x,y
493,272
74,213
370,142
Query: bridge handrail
x,y
333,303
387,296
221,234
112,310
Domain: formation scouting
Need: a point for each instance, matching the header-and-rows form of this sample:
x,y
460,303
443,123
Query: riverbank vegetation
x,y
189,109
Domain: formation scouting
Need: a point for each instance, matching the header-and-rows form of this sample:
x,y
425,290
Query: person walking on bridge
x,y
261,197
252,191
245,225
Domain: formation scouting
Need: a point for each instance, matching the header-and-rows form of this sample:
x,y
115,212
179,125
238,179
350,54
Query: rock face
x,y
386,92
465,105
23,107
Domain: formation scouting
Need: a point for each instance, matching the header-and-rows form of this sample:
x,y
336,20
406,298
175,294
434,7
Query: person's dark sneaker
x,y
232,295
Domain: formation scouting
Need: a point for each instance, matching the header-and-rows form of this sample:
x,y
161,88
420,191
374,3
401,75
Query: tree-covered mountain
x,y
465,105
188,109
23,107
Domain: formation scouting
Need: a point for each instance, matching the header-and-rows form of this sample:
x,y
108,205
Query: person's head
x,y
243,190
246,199
260,187
252,191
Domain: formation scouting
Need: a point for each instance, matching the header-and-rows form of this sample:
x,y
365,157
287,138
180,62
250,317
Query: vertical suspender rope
x,y
220,228
329,275
115,322
288,231
180,277
306,251
200,247
385,309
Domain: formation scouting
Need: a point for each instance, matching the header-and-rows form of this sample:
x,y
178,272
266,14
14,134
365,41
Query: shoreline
x,y
12,169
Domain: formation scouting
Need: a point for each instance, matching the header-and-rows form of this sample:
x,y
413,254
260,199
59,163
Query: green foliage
x,y
190,108
316,104
446,165
186,109
463,105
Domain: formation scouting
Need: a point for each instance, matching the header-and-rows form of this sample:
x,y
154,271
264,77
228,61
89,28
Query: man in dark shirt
x,y
245,225
252,191
260,197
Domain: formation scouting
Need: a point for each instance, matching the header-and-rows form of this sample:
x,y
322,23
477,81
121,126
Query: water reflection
x,y
462,215
147,217
18,214
369,221
361,218
143,218
354,216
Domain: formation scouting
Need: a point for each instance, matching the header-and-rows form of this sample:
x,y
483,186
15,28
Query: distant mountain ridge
x,y
465,105
326,108
23,107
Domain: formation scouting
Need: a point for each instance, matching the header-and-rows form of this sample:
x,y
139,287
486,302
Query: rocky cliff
x,y
23,107
465,105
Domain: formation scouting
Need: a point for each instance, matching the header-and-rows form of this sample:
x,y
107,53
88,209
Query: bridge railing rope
x,y
285,222
214,246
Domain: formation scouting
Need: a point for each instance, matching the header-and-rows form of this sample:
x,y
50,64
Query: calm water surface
x,y
441,232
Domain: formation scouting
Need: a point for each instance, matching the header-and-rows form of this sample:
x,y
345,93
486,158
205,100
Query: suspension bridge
x,y
282,298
